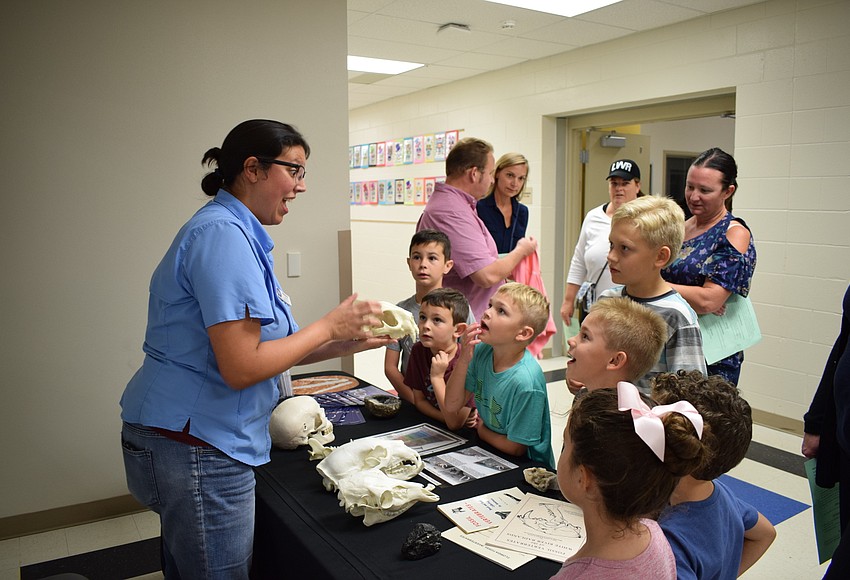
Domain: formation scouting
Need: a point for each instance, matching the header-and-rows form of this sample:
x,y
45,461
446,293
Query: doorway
x,y
691,123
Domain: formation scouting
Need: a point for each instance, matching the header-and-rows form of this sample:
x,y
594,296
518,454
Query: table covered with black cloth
x,y
301,528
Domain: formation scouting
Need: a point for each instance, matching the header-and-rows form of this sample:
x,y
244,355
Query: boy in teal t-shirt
x,y
506,380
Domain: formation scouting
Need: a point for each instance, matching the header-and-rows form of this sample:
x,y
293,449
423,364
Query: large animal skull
x,y
396,323
297,420
379,498
370,476
391,457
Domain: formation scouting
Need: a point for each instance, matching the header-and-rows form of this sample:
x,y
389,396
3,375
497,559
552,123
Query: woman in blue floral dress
x,y
718,257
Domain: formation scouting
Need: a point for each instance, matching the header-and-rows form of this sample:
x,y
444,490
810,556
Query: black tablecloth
x,y
301,528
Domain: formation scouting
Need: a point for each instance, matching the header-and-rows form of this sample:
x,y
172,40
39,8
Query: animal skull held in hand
x,y
396,323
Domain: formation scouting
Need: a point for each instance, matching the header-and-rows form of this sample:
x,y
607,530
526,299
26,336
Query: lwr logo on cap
x,y
622,164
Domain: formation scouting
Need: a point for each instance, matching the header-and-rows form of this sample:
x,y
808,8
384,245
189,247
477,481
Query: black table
x,y
301,528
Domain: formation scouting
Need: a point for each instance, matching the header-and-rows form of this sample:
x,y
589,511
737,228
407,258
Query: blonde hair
x,y
510,160
660,220
533,305
633,328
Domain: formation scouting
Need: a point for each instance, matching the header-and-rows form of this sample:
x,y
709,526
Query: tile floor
x,y
793,554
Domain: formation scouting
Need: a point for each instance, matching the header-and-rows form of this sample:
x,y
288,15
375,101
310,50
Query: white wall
x,y
108,107
788,63
694,135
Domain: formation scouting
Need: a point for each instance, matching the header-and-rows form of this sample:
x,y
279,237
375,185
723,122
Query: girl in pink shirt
x,y
620,462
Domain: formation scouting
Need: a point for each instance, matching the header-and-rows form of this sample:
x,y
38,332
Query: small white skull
x,y
298,419
396,323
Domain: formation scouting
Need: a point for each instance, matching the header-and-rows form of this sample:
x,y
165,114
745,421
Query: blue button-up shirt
x,y
218,265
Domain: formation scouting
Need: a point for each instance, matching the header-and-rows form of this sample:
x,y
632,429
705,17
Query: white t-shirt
x,y
591,253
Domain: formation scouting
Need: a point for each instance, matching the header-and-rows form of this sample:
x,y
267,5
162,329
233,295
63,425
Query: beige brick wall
x,y
788,63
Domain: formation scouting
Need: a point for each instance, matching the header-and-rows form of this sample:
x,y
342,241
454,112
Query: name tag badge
x,y
284,296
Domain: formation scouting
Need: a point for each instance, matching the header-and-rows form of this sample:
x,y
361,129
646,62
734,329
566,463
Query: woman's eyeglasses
x,y
300,173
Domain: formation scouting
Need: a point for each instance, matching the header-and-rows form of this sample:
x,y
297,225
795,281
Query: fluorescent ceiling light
x,y
380,65
560,7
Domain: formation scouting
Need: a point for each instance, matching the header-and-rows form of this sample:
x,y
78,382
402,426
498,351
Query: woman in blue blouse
x,y
505,217
718,257
220,334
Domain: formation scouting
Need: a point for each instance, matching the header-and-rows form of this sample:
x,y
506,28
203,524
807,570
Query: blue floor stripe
x,y
775,507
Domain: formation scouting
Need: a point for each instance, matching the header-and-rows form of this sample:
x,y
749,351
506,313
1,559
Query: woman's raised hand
x,y
353,318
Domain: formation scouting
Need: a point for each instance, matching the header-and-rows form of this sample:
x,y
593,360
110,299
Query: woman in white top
x,y
590,257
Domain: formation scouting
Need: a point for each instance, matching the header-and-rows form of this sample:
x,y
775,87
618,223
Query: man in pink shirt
x,y
478,270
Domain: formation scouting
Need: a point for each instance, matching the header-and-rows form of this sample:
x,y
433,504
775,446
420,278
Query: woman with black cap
x,y
589,266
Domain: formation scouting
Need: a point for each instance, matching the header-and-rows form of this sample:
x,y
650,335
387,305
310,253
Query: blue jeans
x,y
205,502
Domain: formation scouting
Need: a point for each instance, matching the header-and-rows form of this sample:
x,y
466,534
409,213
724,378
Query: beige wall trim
x,y
72,515
346,287
774,421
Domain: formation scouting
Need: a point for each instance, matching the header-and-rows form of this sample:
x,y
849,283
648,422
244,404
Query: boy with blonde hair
x,y
646,235
619,340
442,320
713,534
505,379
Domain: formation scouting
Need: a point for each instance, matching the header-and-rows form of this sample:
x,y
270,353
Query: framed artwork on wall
x,y
364,156
381,157
451,139
439,147
419,191
429,187
429,148
399,191
408,150
419,149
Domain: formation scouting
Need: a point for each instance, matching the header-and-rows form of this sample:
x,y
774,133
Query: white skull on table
x,y
379,498
370,476
297,420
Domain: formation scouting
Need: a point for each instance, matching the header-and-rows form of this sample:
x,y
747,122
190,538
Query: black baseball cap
x,y
625,168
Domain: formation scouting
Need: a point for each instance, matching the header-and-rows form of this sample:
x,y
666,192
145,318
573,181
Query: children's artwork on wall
x,y
419,149
356,156
451,139
358,192
408,192
364,156
398,153
419,191
389,192
373,154
382,192
351,157
399,191
382,155
389,153
351,193
373,192
429,148
408,150
429,187
439,147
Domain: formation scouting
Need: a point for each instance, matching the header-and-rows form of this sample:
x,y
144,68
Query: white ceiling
x,y
407,30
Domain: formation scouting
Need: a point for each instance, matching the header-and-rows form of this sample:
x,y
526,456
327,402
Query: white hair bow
x,y
648,424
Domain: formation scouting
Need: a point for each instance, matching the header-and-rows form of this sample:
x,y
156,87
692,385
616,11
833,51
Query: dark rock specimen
x,y
382,406
423,541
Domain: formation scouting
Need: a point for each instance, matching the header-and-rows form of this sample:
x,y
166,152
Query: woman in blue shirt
x,y
220,333
505,217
